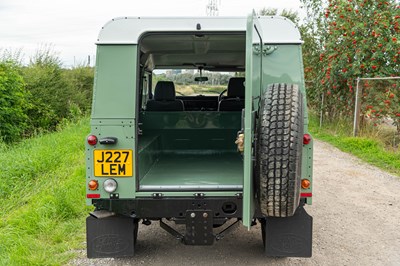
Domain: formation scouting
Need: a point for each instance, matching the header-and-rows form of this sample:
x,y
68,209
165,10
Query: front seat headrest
x,y
164,91
236,87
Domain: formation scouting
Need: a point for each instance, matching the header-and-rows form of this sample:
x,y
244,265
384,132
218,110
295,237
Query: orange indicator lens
x,y
305,183
93,184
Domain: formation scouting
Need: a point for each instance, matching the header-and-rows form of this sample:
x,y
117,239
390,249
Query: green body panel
x,y
124,131
114,93
113,110
283,65
253,87
307,168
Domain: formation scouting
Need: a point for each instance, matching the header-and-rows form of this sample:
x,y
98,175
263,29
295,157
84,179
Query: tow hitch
x,y
199,228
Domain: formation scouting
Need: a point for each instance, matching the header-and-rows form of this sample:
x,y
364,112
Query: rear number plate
x,y
113,163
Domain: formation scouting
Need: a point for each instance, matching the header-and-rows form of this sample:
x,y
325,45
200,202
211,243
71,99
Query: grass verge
x,y
370,150
42,195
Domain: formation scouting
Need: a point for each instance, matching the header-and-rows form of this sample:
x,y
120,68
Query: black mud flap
x,y
290,236
110,237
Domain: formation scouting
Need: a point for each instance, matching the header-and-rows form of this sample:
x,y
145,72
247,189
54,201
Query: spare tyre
x,y
279,150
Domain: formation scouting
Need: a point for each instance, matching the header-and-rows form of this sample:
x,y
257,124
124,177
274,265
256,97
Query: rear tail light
x,y
92,140
306,139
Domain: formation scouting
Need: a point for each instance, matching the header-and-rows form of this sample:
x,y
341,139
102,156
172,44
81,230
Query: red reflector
x,y
306,139
92,140
93,196
305,195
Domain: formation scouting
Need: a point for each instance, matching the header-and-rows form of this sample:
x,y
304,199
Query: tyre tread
x,y
279,150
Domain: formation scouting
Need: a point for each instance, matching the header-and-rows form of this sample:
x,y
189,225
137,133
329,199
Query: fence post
x,y
357,109
322,110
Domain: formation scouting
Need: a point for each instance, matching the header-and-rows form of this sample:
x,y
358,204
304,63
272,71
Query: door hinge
x,y
268,49
257,49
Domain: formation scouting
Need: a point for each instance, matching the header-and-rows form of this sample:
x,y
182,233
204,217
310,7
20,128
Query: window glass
x,y
186,85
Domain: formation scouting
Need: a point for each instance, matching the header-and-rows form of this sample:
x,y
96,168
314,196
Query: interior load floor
x,y
222,171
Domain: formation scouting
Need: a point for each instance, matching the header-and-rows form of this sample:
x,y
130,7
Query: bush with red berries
x,y
358,39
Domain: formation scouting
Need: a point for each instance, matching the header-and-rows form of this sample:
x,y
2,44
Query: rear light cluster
x,y
305,184
109,185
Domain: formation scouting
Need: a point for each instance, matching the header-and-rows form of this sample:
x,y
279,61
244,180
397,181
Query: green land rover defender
x,y
205,153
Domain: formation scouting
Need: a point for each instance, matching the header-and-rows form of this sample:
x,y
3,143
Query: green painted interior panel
x,y
190,120
148,152
185,131
189,151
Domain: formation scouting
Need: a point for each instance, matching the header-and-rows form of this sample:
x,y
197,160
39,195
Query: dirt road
x,y
356,214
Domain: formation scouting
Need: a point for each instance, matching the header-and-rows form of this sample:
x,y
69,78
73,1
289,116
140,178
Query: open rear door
x,y
253,89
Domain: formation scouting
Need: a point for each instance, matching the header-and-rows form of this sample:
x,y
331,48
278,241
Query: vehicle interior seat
x,y
234,101
164,98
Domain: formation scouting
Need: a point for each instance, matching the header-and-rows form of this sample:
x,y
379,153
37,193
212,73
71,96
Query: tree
x,y
354,39
290,14
80,81
361,41
12,102
50,93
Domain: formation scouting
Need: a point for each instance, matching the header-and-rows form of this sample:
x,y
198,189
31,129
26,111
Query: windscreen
x,y
189,82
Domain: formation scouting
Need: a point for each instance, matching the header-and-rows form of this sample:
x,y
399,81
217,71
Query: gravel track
x,y
356,212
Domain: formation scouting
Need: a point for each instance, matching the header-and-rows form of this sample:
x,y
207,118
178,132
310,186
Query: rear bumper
x,y
156,208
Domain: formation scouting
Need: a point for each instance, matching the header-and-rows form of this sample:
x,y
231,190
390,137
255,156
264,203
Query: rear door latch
x,y
108,140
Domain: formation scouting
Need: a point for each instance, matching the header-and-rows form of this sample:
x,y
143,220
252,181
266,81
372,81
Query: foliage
x,y
49,91
192,90
42,190
41,95
353,39
290,14
380,102
80,79
12,102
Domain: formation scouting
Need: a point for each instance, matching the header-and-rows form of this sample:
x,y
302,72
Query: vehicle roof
x,y
128,30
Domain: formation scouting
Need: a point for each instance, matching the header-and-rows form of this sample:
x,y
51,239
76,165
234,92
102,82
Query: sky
x,y
71,27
